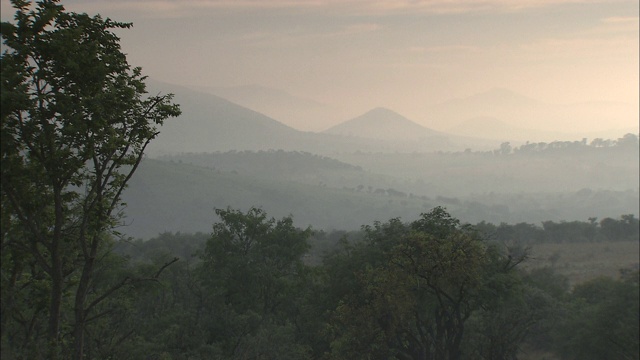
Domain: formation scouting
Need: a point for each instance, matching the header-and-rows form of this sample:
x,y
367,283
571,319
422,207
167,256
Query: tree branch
x,y
126,281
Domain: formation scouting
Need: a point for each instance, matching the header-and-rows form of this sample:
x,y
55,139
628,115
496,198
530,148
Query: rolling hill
x,y
211,123
179,192
173,196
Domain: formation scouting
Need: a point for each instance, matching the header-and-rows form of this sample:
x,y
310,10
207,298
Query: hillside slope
x,y
172,196
383,124
180,193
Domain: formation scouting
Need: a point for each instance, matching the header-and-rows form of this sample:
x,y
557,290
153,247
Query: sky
x,y
402,54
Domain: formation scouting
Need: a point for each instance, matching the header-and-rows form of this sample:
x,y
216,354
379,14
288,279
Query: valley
x,y
373,167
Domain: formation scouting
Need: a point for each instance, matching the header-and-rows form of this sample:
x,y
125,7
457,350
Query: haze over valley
x,y
375,165
499,110
491,114
320,179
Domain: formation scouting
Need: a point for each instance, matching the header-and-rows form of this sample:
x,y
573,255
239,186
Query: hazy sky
x,y
404,55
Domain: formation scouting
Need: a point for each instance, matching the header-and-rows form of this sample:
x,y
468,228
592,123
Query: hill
x,y
396,133
211,123
173,196
279,165
298,112
383,124
179,192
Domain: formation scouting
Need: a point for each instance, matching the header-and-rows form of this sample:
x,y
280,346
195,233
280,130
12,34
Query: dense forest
x,y
76,120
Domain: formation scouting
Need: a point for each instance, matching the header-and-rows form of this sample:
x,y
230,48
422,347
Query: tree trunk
x,y
55,303
78,334
57,279
79,306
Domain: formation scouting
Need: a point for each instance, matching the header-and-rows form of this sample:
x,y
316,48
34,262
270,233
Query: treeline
x,y
430,289
628,141
626,228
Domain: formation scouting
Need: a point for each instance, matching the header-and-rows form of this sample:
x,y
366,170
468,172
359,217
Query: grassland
x,y
581,262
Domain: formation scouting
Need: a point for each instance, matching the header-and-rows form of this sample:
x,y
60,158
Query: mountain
x,y
210,123
383,124
298,112
499,104
397,133
532,119
494,98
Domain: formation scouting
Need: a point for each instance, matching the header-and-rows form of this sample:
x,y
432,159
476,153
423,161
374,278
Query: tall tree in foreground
x,y
75,124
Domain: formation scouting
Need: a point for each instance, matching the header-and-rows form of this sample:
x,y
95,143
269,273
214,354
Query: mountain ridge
x,y
298,112
210,123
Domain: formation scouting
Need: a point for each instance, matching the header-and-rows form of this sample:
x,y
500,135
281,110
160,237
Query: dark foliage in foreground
x,y
430,289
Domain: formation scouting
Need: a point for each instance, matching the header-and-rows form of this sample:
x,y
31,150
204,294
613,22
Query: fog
x,y
344,113
440,179
374,166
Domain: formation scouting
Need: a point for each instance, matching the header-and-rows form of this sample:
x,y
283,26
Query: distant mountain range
x,y
520,118
372,167
504,114
210,123
480,122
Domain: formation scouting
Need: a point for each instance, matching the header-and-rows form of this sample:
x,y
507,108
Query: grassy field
x,y
585,261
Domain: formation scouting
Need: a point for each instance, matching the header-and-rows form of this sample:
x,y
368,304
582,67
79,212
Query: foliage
x,y
76,122
74,129
432,288
251,272
626,228
603,320
415,288
628,141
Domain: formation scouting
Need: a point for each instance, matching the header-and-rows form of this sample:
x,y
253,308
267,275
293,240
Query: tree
x,y
75,125
252,272
603,320
416,287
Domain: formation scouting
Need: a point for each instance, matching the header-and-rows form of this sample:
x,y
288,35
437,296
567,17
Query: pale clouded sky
x,y
405,55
